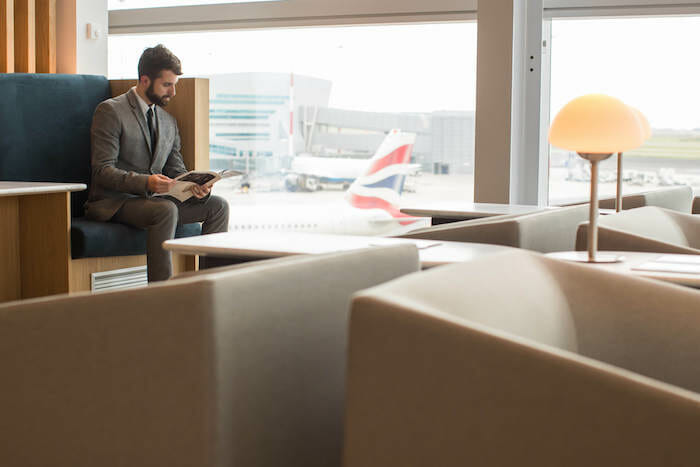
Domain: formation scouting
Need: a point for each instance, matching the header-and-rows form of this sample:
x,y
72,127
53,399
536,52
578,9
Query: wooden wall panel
x,y
190,107
66,37
10,272
45,248
184,263
25,36
120,86
81,269
7,36
45,36
200,125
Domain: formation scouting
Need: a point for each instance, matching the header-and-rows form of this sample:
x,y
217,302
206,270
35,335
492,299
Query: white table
x,y
36,188
635,259
451,210
261,245
34,238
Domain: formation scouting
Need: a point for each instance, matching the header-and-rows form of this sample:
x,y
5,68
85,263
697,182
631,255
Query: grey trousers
x,y
160,217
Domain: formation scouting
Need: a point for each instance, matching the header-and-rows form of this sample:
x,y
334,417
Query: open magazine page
x,y
182,189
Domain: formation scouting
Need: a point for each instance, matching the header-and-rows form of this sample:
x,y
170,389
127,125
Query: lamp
x,y
596,127
647,133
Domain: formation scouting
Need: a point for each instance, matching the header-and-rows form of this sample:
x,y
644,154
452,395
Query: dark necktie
x,y
151,129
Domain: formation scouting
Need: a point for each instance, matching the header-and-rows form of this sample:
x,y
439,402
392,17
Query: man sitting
x,y
136,154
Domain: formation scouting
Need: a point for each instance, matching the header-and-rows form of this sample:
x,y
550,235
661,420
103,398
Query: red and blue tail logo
x,y
381,185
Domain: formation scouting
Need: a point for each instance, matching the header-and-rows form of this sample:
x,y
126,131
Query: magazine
x,y
182,189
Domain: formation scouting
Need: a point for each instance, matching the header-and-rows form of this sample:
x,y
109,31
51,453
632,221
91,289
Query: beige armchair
x,y
677,198
649,229
237,368
521,360
544,231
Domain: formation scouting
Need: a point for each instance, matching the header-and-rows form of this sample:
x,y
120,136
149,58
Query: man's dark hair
x,y
156,59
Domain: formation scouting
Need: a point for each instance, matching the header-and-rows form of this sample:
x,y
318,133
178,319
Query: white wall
x,y
92,53
75,53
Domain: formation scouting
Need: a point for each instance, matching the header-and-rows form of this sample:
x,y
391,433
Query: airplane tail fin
x,y
381,185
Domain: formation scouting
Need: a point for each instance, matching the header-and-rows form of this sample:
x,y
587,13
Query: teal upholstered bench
x,y
45,121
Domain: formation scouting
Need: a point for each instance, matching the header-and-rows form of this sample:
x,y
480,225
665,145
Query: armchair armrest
x,y
493,230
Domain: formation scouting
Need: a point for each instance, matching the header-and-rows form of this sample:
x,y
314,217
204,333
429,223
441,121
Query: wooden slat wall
x,y
66,37
190,107
28,36
25,36
7,36
45,36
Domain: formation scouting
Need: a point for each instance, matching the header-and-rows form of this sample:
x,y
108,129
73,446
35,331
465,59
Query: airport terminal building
x,y
260,121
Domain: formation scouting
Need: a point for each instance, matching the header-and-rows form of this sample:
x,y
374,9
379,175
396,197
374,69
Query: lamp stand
x,y
591,256
618,196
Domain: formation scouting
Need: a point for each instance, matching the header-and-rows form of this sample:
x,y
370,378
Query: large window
x,y
648,63
301,112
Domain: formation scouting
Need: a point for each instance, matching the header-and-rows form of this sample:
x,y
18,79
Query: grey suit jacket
x,y
121,154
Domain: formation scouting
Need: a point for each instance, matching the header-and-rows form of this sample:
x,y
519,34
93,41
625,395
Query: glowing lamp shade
x,y
645,124
597,124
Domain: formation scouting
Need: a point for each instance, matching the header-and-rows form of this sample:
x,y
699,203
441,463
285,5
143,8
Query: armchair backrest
x,y
677,198
520,297
565,306
645,229
544,231
45,119
282,353
459,366
241,367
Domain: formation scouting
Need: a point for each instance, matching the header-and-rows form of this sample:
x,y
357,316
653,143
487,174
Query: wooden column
x,y
45,36
25,36
7,36
10,270
190,107
494,65
44,227
34,245
66,37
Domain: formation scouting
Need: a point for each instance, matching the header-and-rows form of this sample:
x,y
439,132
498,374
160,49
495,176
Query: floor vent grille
x,y
119,279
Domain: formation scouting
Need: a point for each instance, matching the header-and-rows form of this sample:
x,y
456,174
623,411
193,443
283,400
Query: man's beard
x,y
155,98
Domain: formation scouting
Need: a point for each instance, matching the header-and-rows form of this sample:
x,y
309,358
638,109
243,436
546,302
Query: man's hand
x,y
200,191
158,183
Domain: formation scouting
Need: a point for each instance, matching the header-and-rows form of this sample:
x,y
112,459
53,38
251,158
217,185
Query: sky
x,y
415,68
649,63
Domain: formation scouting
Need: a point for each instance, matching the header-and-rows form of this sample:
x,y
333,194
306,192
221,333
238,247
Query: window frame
x,y
287,13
